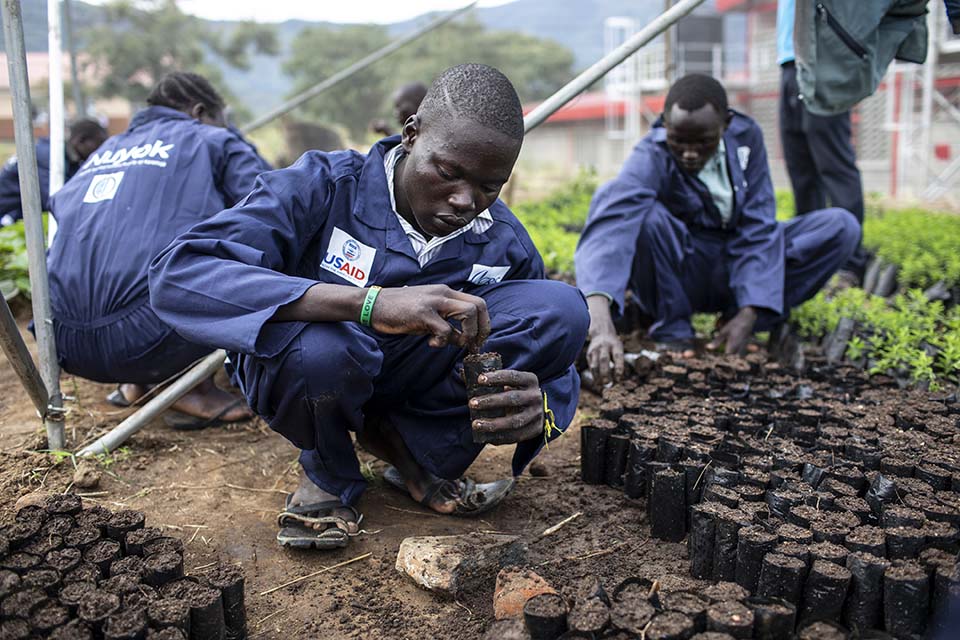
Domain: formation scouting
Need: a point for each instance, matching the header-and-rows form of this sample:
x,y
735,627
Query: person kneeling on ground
x,y
86,135
350,287
174,166
689,225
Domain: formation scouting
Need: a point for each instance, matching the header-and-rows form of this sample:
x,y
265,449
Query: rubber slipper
x,y
184,422
296,530
471,499
117,399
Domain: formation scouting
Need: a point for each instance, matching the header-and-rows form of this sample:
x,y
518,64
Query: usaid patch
x,y
103,186
482,274
743,155
348,258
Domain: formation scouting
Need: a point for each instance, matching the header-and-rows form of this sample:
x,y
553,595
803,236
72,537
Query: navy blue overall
x,y
10,207
655,230
131,197
328,219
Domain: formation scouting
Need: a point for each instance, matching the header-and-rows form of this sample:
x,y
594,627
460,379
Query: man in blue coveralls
x,y
689,226
174,166
349,288
85,136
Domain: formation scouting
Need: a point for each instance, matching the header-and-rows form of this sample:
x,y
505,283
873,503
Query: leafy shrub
x,y
14,277
555,223
925,245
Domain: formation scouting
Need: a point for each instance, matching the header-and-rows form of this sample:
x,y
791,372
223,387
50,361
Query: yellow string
x,y
549,423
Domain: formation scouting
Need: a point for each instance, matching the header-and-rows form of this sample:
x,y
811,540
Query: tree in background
x,y
140,41
537,66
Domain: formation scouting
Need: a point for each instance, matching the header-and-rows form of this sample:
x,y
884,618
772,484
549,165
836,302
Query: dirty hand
x,y
523,400
427,310
735,333
605,351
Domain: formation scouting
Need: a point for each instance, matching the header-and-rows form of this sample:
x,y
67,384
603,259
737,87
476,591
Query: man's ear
x,y
197,111
410,131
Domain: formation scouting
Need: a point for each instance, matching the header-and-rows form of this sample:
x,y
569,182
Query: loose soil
x,y
219,490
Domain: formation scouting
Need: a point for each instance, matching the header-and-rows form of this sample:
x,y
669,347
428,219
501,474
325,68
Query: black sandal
x,y
471,499
298,525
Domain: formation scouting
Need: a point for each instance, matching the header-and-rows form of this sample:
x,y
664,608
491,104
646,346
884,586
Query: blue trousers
x,y
333,375
133,345
677,272
820,158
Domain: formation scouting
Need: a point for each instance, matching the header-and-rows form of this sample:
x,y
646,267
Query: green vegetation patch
x,y
925,245
555,223
14,277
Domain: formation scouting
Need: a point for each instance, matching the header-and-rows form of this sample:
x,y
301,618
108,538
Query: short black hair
x,y
416,91
86,129
476,92
695,90
181,90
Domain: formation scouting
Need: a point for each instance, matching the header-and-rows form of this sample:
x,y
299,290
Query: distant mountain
x,y
578,25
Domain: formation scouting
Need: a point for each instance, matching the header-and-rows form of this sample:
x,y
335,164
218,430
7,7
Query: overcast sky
x,y
331,10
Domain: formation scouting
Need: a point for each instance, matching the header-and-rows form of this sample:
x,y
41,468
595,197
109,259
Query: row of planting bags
x,y
70,573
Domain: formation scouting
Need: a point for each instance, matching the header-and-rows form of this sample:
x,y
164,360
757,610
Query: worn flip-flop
x,y
297,530
184,422
117,399
472,499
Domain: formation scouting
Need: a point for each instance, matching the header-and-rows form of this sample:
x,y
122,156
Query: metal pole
x,y
32,218
78,102
929,80
600,68
20,359
164,400
57,136
356,67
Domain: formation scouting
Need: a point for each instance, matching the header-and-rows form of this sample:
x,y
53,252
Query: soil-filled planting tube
x,y
669,450
773,619
45,579
868,539
793,533
640,452
829,532
668,520
829,552
14,629
724,495
670,625
73,593
900,516
822,630
47,617
228,578
96,517
615,459
904,542
690,605
935,476
700,544
474,365
123,522
129,624
161,568
21,603
906,598
545,616
172,634
590,616
73,630
725,544
128,564
206,613
593,444
63,560
782,577
134,540
824,592
84,572
693,471
731,617
96,607
723,591
753,544
631,611
20,562
102,554
9,582
864,605
169,612
63,504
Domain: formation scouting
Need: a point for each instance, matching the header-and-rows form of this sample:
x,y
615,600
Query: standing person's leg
x,y
816,246
831,144
663,245
808,191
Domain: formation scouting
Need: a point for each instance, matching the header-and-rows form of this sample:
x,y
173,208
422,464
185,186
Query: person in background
x,y
406,101
86,134
349,288
689,225
818,149
175,165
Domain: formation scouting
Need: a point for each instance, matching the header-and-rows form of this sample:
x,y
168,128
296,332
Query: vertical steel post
x,y
32,218
78,101
57,142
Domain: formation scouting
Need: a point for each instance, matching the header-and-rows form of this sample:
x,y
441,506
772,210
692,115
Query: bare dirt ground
x,y
220,490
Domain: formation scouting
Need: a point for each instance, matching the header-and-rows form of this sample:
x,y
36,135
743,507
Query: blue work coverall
x,y
328,219
10,207
129,200
655,230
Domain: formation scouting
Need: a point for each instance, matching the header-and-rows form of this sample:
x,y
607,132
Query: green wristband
x,y
367,309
